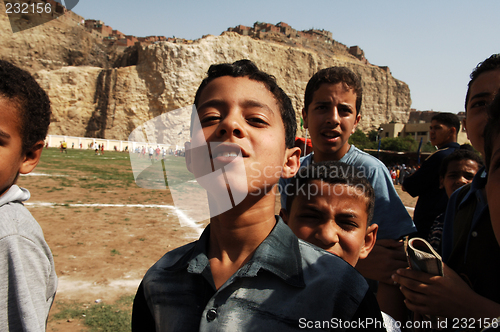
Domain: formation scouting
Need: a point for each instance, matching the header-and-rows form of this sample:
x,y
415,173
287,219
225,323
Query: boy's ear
x,y
356,122
284,215
187,156
464,126
31,158
292,163
370,239
304,117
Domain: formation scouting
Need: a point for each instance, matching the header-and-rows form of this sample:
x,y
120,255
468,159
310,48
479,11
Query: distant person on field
x,y
424,183
457,170
470,288
28,283
248,271
332,105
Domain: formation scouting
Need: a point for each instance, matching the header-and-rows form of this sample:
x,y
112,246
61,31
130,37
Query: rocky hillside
x,y
98,91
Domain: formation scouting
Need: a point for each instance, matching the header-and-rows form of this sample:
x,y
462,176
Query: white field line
x,y
43,174
185,220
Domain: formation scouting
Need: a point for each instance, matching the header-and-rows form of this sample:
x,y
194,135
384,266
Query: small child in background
x,y
29,280
457,170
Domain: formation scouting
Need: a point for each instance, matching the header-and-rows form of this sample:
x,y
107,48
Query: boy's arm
x,y
26,289
448,296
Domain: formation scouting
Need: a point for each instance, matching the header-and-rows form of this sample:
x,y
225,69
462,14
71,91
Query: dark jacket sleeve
x,y
142,319
427,176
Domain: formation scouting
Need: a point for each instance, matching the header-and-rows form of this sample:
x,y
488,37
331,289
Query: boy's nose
x,y
231,126
333,117
461,181
328,235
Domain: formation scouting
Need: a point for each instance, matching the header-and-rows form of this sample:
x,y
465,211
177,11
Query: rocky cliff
x,y
96,93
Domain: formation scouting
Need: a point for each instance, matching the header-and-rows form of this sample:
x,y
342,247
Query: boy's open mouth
x,y
225,153
329,134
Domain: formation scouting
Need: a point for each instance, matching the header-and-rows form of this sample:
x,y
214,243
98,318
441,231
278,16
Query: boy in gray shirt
x,y
28,279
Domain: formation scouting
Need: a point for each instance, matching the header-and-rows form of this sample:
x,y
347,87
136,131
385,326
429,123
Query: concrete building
x,y
417,131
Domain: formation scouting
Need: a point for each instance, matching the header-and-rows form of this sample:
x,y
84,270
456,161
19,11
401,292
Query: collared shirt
x,y
469,244
424,183
286,285
390,214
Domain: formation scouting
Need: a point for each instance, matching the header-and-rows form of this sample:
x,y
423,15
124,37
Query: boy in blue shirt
x,y
247,271
332,105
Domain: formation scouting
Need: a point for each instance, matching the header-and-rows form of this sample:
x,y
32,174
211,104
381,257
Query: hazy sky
x,y
431,45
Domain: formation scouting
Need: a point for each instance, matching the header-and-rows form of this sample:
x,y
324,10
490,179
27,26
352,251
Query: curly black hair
x,y
246,68
31,101
334,75
332,172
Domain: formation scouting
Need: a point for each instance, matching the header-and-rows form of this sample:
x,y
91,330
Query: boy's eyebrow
x,y
329,102
481,95
248,103
347,215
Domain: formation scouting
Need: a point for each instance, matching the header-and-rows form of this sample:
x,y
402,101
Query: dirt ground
x,y
102,252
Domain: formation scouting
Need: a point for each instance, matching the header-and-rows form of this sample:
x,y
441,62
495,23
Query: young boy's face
x,y
334,219
11,156
481,94
493,187
243,115
458,174
440,134
331,118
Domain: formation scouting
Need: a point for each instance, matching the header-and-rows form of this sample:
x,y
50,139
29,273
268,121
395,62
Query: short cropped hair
x,y
492,63
334,75
246,68
332,172
448,119
492,129
30,100
464,153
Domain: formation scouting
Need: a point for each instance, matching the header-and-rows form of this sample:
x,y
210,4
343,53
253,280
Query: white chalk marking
x,y
185,220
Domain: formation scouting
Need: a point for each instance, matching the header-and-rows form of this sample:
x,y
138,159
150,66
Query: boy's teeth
x,y
329,134
227,154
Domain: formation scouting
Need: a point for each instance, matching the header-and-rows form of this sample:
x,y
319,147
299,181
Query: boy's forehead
x,y
343,85
487,83
226,88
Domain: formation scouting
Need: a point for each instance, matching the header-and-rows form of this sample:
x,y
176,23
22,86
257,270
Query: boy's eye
x,y
348,225
209,119
480,103
257,121
309,218
346,110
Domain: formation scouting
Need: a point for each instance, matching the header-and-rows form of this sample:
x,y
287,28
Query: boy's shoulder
x,y
16,220
359,158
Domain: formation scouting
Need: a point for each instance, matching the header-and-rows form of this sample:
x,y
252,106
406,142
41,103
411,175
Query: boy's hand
x,y
447,296
386,257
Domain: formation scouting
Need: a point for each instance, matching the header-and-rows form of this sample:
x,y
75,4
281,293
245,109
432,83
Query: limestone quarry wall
x,y
91,98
